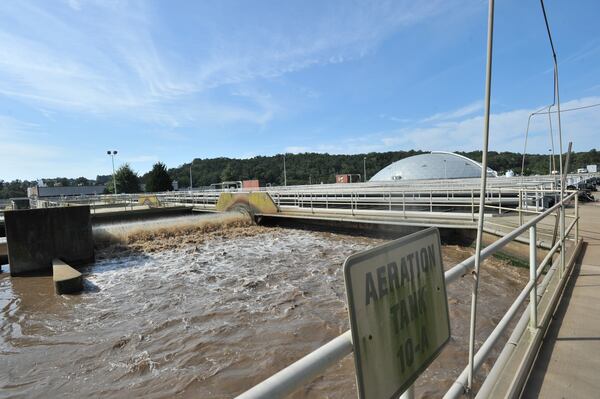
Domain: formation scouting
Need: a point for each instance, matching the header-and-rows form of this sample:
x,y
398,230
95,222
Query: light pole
x,y
284,172
190,177
112,155
365,169
550,161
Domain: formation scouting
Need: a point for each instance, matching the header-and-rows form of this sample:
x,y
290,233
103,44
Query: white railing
x,y
304,370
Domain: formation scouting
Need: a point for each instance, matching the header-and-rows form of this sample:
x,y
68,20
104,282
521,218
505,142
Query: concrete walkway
x,y
568,365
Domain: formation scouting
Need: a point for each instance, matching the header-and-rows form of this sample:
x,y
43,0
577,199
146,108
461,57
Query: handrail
x,y
287,381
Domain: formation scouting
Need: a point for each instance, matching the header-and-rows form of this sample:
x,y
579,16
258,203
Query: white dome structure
x,y
435,165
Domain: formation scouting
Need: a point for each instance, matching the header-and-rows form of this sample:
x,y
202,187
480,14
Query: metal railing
x,y
304,370
418,206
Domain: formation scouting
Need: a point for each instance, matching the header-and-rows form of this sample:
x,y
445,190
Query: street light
x,y
284,172
365,168
190,176
550,161
112,155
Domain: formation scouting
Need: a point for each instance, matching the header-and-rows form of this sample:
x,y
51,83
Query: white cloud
x,y
507,133
297,149
467,110
104,58
21,152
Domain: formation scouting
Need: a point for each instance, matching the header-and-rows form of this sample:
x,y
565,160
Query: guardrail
x,y
397,203
302,371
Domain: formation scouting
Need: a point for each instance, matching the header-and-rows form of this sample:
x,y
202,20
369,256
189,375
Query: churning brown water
x,y
209,316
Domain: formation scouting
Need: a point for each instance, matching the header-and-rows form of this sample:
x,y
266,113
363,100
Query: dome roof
x,y
435,165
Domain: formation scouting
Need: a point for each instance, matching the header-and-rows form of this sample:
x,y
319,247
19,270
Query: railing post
x,y
472,206
576,218
403,205
390,200
533,278
499,200
562,237
520,207
430,201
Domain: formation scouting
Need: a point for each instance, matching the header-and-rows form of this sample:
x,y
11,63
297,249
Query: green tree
x,y
158,179
127,181
227,173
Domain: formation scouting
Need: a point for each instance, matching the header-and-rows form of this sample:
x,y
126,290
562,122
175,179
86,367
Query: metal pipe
x,y
463,267
409,393
533,278
511,344
577,217
486,133
290,378
461,383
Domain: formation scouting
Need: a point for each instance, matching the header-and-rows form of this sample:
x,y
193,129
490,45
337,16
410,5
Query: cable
x,y
567,110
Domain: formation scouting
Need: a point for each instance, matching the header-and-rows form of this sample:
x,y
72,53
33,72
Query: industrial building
x,y
435,165
63,191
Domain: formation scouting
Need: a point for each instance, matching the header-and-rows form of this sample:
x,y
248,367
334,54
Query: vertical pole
x,y
365,169
533,278
191,185
430,201
520,207
499,200
284,172
576,218
562,238
472,205
486,132
403,205
113,165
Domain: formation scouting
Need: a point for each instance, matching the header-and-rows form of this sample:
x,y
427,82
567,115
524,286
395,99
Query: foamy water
x,y
209,320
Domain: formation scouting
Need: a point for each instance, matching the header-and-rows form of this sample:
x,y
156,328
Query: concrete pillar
x,y
36,236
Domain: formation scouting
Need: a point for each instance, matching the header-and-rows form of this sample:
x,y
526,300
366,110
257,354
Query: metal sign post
x,y
398,312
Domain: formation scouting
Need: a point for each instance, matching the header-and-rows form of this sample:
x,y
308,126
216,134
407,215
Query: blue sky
x,y
176,80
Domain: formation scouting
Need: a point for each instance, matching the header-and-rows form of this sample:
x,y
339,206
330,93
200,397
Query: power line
x,y
567,110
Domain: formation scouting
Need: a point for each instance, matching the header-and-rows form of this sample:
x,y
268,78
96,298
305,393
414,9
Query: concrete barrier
x,y
37,236
66,279
3,252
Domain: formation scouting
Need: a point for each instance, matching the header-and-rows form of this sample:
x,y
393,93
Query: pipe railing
x,y
315,363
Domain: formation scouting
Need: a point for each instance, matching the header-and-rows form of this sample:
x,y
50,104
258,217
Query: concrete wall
x,y
36,236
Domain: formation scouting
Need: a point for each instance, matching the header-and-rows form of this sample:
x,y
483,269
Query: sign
x,y
398,312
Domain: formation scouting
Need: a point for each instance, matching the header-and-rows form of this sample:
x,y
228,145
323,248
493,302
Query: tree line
x,y
302,168
318,168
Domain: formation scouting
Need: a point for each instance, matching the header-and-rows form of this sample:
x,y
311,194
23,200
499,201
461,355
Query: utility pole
x,y
284,172
112,155
365,169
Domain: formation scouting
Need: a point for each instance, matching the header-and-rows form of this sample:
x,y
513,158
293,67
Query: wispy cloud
x,y
507,132
107,58
461,112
